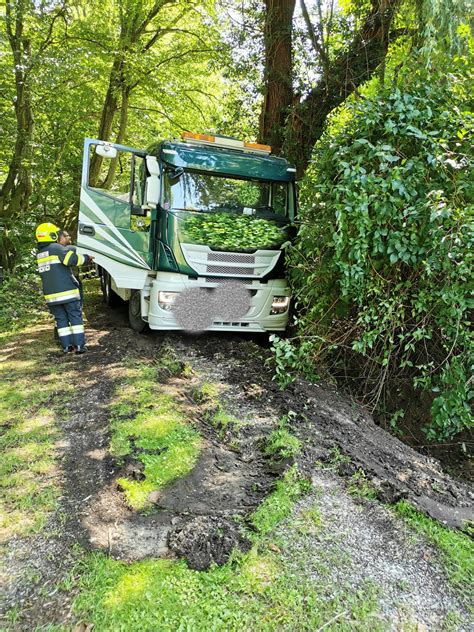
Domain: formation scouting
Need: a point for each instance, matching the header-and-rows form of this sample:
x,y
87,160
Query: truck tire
x,y
102,275
135,313
110,297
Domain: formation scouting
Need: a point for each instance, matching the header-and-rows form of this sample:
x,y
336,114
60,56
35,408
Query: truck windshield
x,y
200,192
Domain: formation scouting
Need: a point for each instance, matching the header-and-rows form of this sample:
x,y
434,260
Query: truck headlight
x,y
166,299
280,304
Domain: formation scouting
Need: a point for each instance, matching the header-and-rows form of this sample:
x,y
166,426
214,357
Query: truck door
x,y
113,218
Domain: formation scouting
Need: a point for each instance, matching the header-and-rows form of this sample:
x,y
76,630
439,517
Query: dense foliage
x,y
233,232
129,71
21,300
384,255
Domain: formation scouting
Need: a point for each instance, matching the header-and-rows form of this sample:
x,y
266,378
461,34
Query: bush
x,y
21,300
384,256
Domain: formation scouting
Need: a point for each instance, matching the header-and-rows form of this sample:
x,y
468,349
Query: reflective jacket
x,y
54,265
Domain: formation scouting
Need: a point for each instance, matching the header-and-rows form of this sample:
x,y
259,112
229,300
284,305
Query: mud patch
x,y
220,486
229,479
326,422
205,540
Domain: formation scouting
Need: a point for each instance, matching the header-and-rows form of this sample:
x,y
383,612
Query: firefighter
x,y
60,287
64,238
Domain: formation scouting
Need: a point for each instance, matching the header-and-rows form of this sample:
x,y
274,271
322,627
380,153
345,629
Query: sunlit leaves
x,y
388,223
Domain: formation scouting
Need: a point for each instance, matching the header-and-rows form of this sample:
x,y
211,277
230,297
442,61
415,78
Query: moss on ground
x,y
33,391
148,424
456,548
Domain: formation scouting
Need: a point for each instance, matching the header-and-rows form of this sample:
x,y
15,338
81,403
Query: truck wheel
x,y
110,297
135,312
102,275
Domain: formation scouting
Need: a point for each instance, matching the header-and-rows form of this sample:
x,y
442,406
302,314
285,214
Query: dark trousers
x,y
68,317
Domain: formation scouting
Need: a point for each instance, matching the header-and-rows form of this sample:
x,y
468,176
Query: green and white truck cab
x,y
190,214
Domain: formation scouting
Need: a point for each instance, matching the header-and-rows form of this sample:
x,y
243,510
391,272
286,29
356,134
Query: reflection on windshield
x,y
210,193
228,231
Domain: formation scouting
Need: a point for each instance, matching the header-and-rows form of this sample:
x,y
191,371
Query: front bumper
x,y
257,318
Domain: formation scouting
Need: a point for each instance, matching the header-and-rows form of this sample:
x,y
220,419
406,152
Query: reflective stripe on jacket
x,y
54,265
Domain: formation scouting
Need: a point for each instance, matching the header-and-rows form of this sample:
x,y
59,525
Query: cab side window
x,y
139,181
122,178
114,177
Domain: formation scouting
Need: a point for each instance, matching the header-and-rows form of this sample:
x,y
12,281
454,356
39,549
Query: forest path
x,y
352,464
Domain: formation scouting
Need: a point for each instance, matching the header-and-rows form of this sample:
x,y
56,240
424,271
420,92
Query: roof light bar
x,y
257,146
203,137
223,141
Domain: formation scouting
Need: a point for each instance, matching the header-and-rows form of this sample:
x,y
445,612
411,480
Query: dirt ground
x,y
230,479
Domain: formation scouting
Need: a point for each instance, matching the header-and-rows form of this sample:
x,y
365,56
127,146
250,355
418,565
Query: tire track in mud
x,y
225,482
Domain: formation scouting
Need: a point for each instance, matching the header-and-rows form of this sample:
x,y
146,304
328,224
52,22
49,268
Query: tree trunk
x,y
134,21
294,125
16,190
120,135
108,115
278,80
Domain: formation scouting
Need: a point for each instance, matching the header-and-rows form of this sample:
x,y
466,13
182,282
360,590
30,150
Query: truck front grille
x,y
230,270
230,257
229,264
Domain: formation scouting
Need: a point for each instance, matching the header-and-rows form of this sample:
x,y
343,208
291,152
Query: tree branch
x,y
163,31
349,70
317,45
153,12
90,40
47,41
173,30
206,94
168,59
166,116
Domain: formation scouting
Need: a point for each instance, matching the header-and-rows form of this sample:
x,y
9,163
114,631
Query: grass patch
x,y
279,504
336,457
170,365
360,486
35,385
33,391
214,412
148,424
206,393
281,444
310,520
457,549
222,420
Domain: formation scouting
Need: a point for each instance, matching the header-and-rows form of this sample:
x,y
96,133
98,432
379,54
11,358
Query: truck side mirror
x,y
106,151
153,183
176,173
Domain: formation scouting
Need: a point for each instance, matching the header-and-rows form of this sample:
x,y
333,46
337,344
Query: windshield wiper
x,y
187,210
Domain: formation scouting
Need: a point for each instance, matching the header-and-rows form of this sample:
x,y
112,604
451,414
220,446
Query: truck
x,y
190,231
